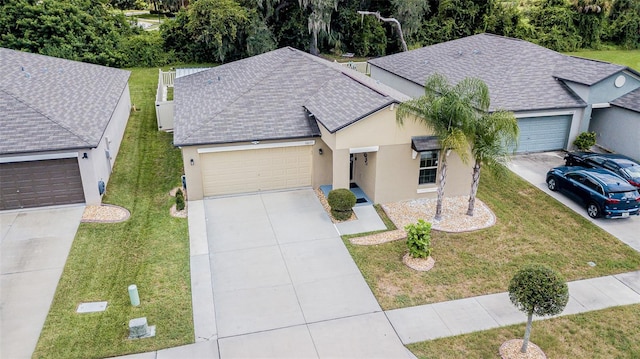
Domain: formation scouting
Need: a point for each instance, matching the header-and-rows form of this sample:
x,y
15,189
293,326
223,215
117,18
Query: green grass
x,y
531,227
608,333
150,250
629,58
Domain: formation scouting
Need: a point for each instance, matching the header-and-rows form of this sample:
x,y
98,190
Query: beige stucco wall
x,y
322,164
391,172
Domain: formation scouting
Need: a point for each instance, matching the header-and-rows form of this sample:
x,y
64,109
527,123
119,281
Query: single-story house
x,y
287,119
554,96
62,124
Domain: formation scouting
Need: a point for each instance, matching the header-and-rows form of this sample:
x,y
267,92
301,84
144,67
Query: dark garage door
x,y
40,183
539,134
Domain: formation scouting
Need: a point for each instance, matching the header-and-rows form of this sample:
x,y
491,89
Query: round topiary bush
x,y
341,201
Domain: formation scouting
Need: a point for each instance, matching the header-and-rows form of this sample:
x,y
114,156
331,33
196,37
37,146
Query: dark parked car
x,y
603,192
623,166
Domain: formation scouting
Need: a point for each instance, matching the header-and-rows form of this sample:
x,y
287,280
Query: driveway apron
x,y
34,246
284,285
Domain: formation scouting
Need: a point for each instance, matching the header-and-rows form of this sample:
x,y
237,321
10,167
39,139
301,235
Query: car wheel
x,y
552,184
593,210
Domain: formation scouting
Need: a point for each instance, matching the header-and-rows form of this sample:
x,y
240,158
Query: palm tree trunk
x,y
527,333
441,183
475,182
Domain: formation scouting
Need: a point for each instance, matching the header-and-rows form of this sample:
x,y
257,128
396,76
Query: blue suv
x,y
603,192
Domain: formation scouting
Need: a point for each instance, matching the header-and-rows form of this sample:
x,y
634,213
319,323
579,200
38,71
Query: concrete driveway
x,y
534,167
284,284
34,246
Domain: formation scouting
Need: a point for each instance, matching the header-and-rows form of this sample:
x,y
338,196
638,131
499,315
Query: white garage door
x,y
539,134
256,170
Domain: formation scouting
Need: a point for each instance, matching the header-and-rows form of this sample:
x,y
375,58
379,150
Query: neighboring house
x,y
554,96
62,124
286,119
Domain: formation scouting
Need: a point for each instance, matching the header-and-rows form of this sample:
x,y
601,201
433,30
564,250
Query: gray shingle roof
x,y
48,103
264,98
425,143
630,101
520,75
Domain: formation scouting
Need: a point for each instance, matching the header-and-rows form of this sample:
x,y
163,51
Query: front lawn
x,y
630,58
608,333
151,250
531,227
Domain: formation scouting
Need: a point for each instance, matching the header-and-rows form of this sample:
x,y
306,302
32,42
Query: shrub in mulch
x,y
341,201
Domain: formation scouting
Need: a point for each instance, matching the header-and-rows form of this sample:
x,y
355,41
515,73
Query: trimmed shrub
x,y
341,201
585,140
180,200
419,239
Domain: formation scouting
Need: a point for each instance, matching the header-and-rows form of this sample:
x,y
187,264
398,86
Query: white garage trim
x,y
257,146
48,156
544,113
364,149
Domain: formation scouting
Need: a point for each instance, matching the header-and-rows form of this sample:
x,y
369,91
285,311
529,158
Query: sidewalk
x,y
431,321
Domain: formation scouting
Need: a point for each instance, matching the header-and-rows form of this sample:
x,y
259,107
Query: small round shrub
x,y
585,140
180,200
341,201
419,239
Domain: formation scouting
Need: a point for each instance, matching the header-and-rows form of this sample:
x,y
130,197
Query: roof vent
x,y
426,62
459,53
27,75
476,51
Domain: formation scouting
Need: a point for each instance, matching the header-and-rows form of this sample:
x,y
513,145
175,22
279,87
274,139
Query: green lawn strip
x,y
150,250
607,333
630,58
531,227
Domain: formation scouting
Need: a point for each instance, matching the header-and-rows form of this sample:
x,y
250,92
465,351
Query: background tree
x,y
493,137
624,24
589,21
446,110
78,30
553,21
214,25
411,13
453,19
539,290
319,19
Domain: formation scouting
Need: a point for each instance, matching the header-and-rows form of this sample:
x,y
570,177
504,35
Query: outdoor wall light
x,y
85,156
192,162
320,152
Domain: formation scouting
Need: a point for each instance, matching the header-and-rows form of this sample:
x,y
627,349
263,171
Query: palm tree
x,y
447,110
492,138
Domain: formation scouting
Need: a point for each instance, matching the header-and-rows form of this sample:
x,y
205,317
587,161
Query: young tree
x,y
539,290
446,110
492,137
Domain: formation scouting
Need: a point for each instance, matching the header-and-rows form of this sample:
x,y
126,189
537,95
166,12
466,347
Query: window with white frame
x,y
428,167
